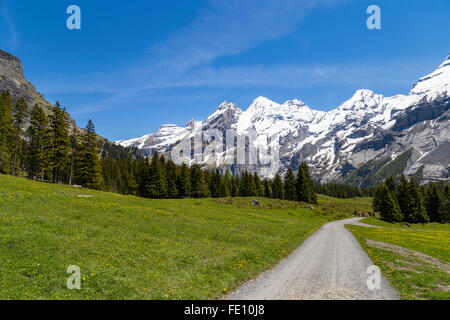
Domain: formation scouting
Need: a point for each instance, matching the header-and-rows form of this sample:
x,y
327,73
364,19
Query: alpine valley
x,y
364,140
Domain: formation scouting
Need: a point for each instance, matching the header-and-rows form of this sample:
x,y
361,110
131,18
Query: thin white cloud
x,y
9,23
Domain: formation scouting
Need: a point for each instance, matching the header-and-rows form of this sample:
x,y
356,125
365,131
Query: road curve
x,y
328,265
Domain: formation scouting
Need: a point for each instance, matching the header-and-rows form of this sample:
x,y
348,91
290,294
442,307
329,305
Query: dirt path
x,y
328,265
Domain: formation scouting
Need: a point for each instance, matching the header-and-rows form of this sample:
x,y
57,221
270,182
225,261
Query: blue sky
x,y
136,65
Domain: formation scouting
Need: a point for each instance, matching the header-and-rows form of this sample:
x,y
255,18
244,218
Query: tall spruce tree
x,y
20,116
267,188
388,207
37,133
304,185
433,203
171,177
277,187
199,188
6,132
156,184
60,141
259,188
184,181
289,185
418,213
88,166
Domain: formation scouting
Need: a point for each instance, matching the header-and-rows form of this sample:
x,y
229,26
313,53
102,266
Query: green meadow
x,y
133,248
415,259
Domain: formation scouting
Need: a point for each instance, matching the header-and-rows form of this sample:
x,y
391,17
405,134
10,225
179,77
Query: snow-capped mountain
x,y
362,141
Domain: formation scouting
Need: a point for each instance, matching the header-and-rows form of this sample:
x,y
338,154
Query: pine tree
x,y
88,166
376,202
215,184
60,141
289,185
433,203
267,188
20,116
75,139
184,182
418,213
37,133
304,185
227,183
171,177
277,187
444,210
6,132
199,188
156,184
389,209
390,183
259,188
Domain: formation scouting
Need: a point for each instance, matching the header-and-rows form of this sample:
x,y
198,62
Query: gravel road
x,y
328,265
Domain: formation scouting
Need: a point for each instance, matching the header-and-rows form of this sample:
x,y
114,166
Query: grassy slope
x,y
411,275
134,248
427,226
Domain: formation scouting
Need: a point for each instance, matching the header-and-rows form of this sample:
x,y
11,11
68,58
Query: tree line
x,y
44,147
48,148
341,190
409,202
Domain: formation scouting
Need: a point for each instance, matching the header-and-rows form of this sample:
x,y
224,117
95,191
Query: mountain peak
x,y
262,103
226,105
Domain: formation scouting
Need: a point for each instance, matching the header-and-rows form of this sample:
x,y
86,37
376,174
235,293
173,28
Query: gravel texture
x,y
328,265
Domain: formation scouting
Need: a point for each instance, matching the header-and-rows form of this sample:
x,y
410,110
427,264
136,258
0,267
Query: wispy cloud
x,y
9,24
222,28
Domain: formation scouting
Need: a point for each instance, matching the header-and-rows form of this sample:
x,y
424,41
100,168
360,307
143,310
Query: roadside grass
x,y
424,226
134,248
415,262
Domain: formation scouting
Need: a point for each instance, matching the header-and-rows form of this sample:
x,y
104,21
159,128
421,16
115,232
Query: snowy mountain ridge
x,y
366,128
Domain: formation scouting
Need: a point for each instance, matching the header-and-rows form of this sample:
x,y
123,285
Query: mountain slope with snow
x,y
368,130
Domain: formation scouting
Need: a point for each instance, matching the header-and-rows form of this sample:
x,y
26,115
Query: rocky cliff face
x,y
13,79
362,141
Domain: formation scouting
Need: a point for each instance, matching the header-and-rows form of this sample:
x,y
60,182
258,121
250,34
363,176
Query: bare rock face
x,y
13,79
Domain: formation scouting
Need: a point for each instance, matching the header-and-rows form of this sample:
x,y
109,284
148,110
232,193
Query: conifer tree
x,y
418,213
267,188
171,177
259,188
433,203
227,183
37,153
390,183
75,139
389,209
215,184
88,166
60,141
20,116
156,184
289,185
304,185
6,132
199,188
277,187
184,182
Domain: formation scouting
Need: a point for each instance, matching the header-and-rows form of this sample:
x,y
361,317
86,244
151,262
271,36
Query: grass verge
x,y
416,262
135,248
